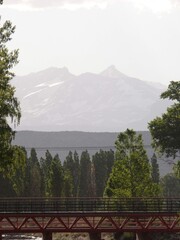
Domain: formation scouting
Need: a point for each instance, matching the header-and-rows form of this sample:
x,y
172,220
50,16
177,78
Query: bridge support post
x,y
95,236
118,235
142,236
47,235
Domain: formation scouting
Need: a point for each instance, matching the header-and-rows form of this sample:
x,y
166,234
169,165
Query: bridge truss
x,y
89,222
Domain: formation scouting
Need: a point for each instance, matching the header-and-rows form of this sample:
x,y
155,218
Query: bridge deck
x,y
60,205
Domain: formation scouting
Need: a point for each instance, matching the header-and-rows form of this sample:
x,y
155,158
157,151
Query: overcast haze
x,y
140,37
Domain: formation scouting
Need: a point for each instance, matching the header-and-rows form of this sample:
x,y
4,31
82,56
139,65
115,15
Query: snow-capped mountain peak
x,y
112,72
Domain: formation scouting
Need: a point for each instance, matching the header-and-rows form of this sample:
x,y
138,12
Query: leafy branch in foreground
x,y
165,130
11,157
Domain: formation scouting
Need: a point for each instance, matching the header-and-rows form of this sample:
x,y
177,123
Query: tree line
x,y
85,176
131,173
77,176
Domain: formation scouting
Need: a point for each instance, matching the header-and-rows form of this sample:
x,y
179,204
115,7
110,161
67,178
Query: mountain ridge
x,y
56,100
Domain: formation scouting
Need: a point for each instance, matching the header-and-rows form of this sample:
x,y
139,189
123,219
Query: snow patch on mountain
x,y
30,94
56,84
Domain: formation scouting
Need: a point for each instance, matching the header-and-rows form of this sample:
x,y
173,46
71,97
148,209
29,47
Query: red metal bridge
x,y
92,215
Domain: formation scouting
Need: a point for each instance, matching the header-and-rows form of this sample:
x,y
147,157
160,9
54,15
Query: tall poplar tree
x,y
155,169
34,177
11,157
85,175
68,184
102,161
55,178
45,164
71,165
76,174
131,173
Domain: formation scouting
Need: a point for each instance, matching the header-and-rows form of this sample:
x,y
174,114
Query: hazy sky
x,y
140,37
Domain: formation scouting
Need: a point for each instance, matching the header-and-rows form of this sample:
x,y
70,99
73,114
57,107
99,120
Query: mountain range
x,y
56,100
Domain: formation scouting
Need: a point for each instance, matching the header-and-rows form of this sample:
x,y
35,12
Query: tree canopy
x,y
165,130
131,173
9,104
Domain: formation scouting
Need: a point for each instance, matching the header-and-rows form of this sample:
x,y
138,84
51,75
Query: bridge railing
x,y
66,205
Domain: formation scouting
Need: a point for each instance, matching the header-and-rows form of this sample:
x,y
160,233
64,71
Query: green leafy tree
x,y
33,177
85,175
6,188
68,184
55,178
92,182
76,174
102,161
170,185
173,91
110,161
9,105
155,169
71,165
165,130
100,169
69,162
17,172
176,169
45,164
131,173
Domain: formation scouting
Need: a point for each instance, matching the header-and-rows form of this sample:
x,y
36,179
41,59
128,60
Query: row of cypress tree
x,y
77,176
125,173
